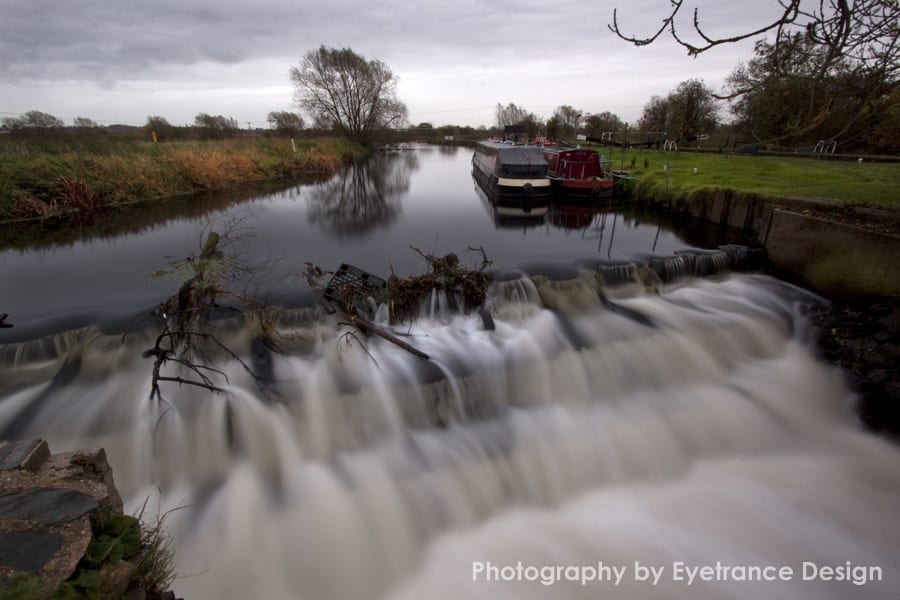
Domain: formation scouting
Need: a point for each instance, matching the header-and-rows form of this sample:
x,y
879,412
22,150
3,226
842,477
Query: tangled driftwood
x,y
356,293
464,286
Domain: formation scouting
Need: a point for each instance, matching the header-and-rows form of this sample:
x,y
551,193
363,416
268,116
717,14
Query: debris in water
x,y
405,294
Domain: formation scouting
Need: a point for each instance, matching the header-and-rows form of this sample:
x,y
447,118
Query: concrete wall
x,y
837,260
840,261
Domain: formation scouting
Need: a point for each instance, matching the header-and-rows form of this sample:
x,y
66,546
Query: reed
x,y
41,177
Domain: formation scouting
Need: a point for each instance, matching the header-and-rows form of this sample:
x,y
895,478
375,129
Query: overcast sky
x,y
118,61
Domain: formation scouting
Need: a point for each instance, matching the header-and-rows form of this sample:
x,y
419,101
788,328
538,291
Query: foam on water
x,y
693,425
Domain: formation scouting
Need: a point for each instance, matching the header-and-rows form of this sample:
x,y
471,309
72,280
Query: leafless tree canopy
x,y
285,121
862,30
688,111
512,114
604,122
344,90
824,52
569,118
33,119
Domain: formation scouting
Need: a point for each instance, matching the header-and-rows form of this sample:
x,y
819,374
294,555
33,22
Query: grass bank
x,y
40,177
870,183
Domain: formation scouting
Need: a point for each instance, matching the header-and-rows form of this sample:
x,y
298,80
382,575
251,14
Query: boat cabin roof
x,y
511,154
569,150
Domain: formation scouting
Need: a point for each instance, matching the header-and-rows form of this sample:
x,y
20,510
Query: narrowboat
x,y
577,172
512,174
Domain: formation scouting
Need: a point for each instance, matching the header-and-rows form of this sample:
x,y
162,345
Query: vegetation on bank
x,y
45,175
115,538
869,183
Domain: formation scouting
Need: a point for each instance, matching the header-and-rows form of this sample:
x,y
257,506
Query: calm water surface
x,y
368,215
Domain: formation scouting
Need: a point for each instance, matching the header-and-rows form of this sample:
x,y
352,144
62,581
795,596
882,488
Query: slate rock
x,y
28,551
46,506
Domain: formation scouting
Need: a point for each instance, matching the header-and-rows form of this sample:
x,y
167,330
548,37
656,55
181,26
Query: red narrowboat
x,y
577,172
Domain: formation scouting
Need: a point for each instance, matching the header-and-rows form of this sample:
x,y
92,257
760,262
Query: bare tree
x,y
569,119
856,37
286,122
160,127
688,111
351,94
215,126
861,33
84,122
694,110
511,114
33,119
656,116
600,123
864,30
525,121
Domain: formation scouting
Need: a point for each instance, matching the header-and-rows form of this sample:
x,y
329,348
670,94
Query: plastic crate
x,y
354,278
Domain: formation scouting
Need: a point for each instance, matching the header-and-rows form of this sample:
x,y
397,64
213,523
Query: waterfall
x,y
689,424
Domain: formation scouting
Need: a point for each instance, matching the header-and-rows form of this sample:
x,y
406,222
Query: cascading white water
x,y
691,426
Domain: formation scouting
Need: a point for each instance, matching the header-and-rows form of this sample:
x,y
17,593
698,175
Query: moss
x,y
840,273
21,586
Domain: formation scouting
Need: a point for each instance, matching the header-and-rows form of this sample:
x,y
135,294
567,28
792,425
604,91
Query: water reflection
x,y
509,216
364,196
576,216
141,217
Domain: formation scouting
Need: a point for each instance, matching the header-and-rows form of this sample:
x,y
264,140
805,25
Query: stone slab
x,y
24,455
46,506
28,551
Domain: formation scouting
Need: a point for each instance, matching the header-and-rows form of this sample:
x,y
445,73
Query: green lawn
x,y
877,184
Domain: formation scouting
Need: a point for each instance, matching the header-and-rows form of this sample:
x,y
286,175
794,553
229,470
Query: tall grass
x,y
39,177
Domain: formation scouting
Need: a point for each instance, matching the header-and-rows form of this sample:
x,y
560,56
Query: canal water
x,y
368,215
592,426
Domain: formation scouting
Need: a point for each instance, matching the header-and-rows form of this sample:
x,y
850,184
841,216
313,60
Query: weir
x,y
620,412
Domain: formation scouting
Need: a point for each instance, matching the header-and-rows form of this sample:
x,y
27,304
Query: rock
x,y
861,339
24,455
49,552
28,551
116,577
135,594
46,506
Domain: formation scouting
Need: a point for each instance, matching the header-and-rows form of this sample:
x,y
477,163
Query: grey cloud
x,y
512,48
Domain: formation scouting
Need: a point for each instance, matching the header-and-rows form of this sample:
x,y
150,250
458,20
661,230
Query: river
x,y
633,439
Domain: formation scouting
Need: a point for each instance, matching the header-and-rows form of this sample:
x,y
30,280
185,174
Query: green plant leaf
x,y
87,578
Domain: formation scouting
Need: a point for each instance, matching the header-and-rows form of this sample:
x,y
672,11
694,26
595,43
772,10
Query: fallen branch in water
x,y
183,340
354,292
181,345
405,294
368,327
